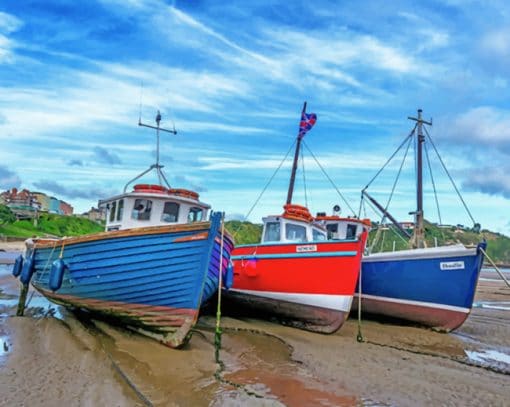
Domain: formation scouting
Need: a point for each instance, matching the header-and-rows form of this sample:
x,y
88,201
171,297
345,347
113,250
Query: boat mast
x,y
158,167
418,239
295,164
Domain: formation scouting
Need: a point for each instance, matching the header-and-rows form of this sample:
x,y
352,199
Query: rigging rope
x,y
267,185
449,176
393,155
433,184
329,179
304,178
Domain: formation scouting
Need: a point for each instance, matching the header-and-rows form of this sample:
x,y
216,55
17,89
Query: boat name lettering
x,y
306,248
452,265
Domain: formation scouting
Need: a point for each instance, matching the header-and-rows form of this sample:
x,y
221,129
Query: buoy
x,y
27,270
18,266
228,277
57,271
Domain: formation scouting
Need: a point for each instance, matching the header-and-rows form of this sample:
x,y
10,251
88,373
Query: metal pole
x,y
418,235
294,165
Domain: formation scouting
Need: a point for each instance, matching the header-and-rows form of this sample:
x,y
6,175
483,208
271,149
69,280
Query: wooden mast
x,y
295,163
418,239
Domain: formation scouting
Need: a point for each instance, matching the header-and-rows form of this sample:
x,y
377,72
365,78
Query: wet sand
x,y
53,357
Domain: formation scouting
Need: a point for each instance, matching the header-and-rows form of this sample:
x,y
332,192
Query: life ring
x,y
152,188
185,193
298,212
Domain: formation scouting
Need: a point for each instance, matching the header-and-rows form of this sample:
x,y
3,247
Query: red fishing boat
x,y
295,273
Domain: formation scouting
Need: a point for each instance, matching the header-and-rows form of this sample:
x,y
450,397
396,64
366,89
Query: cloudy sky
x,y
232,78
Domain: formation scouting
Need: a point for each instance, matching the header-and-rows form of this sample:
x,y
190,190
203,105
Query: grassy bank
x,y
46,225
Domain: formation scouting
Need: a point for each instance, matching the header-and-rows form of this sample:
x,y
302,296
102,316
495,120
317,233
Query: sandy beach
x,y
53,357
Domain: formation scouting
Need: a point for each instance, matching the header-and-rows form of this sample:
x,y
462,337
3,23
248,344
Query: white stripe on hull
x,y
416,303
329,301
426,253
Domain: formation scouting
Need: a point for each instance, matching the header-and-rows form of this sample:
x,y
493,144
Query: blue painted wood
x,y
145,269
423,280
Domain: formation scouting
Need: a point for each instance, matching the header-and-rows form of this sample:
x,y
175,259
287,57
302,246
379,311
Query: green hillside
x,y
47,225
498,246
244,232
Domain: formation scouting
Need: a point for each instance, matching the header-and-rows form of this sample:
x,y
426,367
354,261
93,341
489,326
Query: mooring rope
x,y
495,267
217,335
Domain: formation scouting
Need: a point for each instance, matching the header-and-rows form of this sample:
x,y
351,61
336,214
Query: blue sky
x,y
232,76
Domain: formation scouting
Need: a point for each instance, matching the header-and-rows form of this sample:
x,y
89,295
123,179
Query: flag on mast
x,y
306,123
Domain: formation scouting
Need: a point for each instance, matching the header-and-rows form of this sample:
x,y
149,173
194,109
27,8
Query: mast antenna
x,y
157,166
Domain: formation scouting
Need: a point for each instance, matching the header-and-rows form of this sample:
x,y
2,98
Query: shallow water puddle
x,y
263,366
488,356
498,305
4,345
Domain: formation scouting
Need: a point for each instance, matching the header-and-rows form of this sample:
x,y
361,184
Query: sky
x,y
232,77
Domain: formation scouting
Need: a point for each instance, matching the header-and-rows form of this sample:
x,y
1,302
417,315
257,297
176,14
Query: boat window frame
x,y
113,210
317,232
267,230
143,214
349,231
195,210
120,210
165,216
297,226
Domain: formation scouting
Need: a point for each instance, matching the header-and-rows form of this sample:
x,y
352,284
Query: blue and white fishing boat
x,y
431,286
152,269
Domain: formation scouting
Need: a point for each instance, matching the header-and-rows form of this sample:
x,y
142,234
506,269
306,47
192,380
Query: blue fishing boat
x,y
155,265
430,286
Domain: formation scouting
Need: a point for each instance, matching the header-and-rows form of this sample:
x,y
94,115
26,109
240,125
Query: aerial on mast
x,y
157,166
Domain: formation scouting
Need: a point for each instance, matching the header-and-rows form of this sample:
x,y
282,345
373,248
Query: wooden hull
x,y
434,287
308,285
152,280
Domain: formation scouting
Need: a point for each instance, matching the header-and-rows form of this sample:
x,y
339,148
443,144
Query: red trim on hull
x,y
170,326
437,318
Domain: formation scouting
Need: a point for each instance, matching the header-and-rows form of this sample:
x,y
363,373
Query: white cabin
x,y
153,205
339,228
294,225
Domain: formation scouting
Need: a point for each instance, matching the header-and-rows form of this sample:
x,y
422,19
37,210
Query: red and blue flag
x,y
307,122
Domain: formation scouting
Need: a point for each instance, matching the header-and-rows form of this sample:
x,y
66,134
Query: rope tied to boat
x,y
495,267
217,334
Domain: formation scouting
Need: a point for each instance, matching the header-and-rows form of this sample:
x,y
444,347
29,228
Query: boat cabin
x,y
296,224
153,205
339,228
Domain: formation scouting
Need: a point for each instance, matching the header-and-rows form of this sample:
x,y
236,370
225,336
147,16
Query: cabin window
x,y
318,235
120,209
272,232
170,212
332,230
351,231
112,211
142,209
295,233
195,214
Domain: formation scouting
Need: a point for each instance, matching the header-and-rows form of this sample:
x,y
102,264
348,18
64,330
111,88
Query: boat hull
x,y
308,286
152,280
434,287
